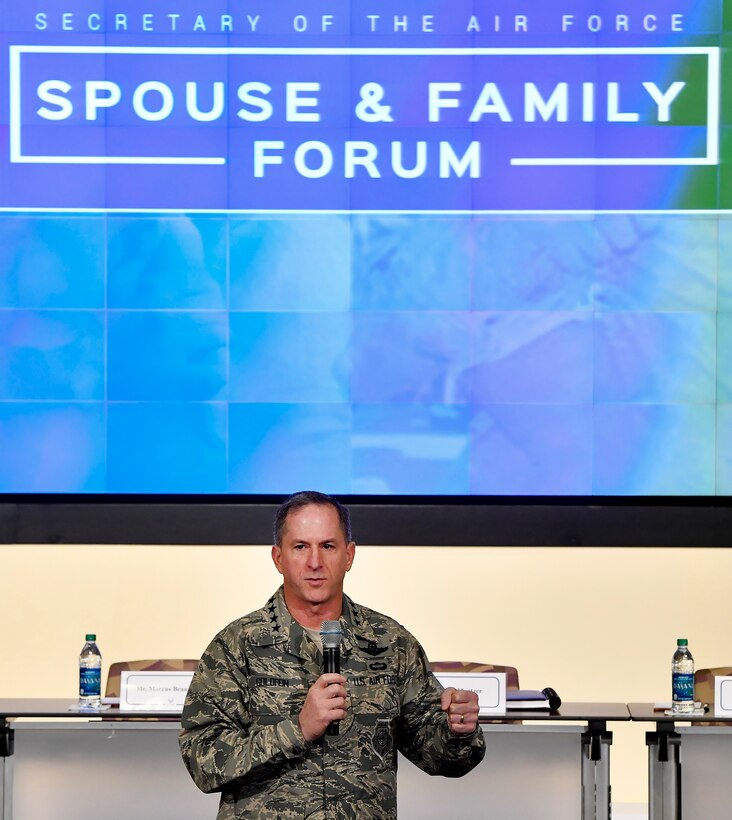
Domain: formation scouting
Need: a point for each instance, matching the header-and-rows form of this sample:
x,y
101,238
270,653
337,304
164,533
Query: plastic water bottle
x,y
682,678
90,674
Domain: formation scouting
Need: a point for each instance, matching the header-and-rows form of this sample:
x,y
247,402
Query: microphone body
x,y
332,660
331,635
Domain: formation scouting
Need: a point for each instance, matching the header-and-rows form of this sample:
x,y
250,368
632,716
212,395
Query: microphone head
x,y
331,634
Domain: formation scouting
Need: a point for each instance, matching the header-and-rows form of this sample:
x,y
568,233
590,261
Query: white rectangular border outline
x,y
721,683
712,53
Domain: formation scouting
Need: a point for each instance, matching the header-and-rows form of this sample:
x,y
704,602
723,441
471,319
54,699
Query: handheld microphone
x,y
331,635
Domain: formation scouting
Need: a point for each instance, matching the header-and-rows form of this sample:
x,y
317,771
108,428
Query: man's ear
x,y
351,552
277,557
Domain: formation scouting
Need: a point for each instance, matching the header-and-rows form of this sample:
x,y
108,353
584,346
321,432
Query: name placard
x,y
158,691
722,695
489,686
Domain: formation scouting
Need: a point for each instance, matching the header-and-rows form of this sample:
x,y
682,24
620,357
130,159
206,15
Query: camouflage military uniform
x,y
240,732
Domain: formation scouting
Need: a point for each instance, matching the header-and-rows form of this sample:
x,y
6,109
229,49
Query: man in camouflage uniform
x,y
255,720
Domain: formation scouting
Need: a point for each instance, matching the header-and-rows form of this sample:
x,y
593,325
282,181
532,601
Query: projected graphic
x,y
462,125
423,248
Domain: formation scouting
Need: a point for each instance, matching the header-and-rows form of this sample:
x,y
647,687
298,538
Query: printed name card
x,y
722,695
489,686
154,691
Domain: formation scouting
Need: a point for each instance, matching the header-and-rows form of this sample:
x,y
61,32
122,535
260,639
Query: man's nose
x,y
314,557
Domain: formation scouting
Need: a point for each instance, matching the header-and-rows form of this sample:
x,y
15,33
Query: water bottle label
x,y
90,683
683,686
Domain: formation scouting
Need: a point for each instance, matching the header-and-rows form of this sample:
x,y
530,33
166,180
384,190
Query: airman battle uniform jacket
x,y
240,733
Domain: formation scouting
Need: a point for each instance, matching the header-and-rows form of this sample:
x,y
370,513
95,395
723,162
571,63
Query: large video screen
x,y
380,247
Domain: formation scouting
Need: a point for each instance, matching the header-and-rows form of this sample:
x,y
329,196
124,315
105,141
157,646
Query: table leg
x,y
664,773
6,770
596,742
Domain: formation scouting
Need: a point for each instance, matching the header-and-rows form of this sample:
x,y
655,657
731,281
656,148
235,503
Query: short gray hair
x,y
297,501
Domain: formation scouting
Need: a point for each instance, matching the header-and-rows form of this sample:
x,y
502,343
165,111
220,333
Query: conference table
x,y
689,765
538,765
59,764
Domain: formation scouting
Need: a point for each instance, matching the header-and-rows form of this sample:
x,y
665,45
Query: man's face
x,y
313,557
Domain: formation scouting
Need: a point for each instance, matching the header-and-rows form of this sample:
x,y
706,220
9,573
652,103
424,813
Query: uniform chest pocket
x,y
370,726
377,700
269,697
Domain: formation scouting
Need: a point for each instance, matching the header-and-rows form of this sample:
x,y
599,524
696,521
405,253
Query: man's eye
x,y
328,546
299,546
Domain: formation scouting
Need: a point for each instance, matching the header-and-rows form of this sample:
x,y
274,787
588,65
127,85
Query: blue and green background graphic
x,y
432,249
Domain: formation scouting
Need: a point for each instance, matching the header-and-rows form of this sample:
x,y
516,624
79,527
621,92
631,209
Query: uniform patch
x,y
372,649
377,666
256,681
381,739
373,680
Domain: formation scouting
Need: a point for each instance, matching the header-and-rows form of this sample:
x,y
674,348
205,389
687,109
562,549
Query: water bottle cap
x,y
682,642
91,637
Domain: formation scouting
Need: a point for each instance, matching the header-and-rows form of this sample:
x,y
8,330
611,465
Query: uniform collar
x,y
281,628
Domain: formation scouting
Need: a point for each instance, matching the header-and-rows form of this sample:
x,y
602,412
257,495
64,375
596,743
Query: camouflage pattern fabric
x,y
240,733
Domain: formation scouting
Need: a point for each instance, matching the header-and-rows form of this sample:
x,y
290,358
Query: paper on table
x,y
78,707
666,707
